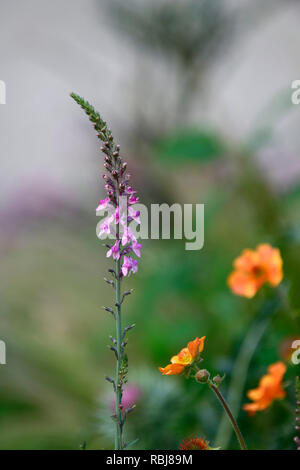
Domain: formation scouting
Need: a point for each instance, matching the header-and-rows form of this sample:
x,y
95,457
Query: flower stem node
x,y
202,376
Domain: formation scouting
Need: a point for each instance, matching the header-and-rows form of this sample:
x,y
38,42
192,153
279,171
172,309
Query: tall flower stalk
x,y
119,205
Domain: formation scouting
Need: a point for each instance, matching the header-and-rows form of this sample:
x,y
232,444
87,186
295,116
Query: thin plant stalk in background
x,y
241,366
116,226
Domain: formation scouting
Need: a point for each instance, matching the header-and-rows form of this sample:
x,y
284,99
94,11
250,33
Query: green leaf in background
x,y
191,145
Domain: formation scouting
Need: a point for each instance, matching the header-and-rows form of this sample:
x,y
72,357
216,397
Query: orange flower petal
x,y
269,389
172,369
242,284
247,260
271,259
196,347
255,394
277,370
251,408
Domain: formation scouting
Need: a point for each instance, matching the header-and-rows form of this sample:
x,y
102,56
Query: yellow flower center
x,y
184,357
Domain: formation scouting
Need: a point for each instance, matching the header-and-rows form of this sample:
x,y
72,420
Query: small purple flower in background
x,y
34,201
131,395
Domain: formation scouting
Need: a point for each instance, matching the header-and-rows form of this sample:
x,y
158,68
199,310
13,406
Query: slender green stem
x,y
238,378
229,414
118,433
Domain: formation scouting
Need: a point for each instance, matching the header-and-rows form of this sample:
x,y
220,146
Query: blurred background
x,y
198,94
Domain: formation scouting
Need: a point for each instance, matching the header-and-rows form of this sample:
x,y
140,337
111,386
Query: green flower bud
x,y
202,376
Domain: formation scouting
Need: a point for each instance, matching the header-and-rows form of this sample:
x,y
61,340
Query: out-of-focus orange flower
x,y
254,268
194,443
270,388
185,358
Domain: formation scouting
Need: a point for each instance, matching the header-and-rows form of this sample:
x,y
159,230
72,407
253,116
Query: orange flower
x,y
255,268
185,358
270,388
194,443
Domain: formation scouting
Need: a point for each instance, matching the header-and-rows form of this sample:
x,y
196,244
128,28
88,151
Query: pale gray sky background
x,y
48,49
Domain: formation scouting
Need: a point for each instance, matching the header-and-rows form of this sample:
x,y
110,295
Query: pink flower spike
x,y
103,203
128,236
133,199
129,265
136,248
135,215
114,251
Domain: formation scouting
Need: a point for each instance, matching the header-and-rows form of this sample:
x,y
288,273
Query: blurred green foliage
x,y
189,146
52,391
